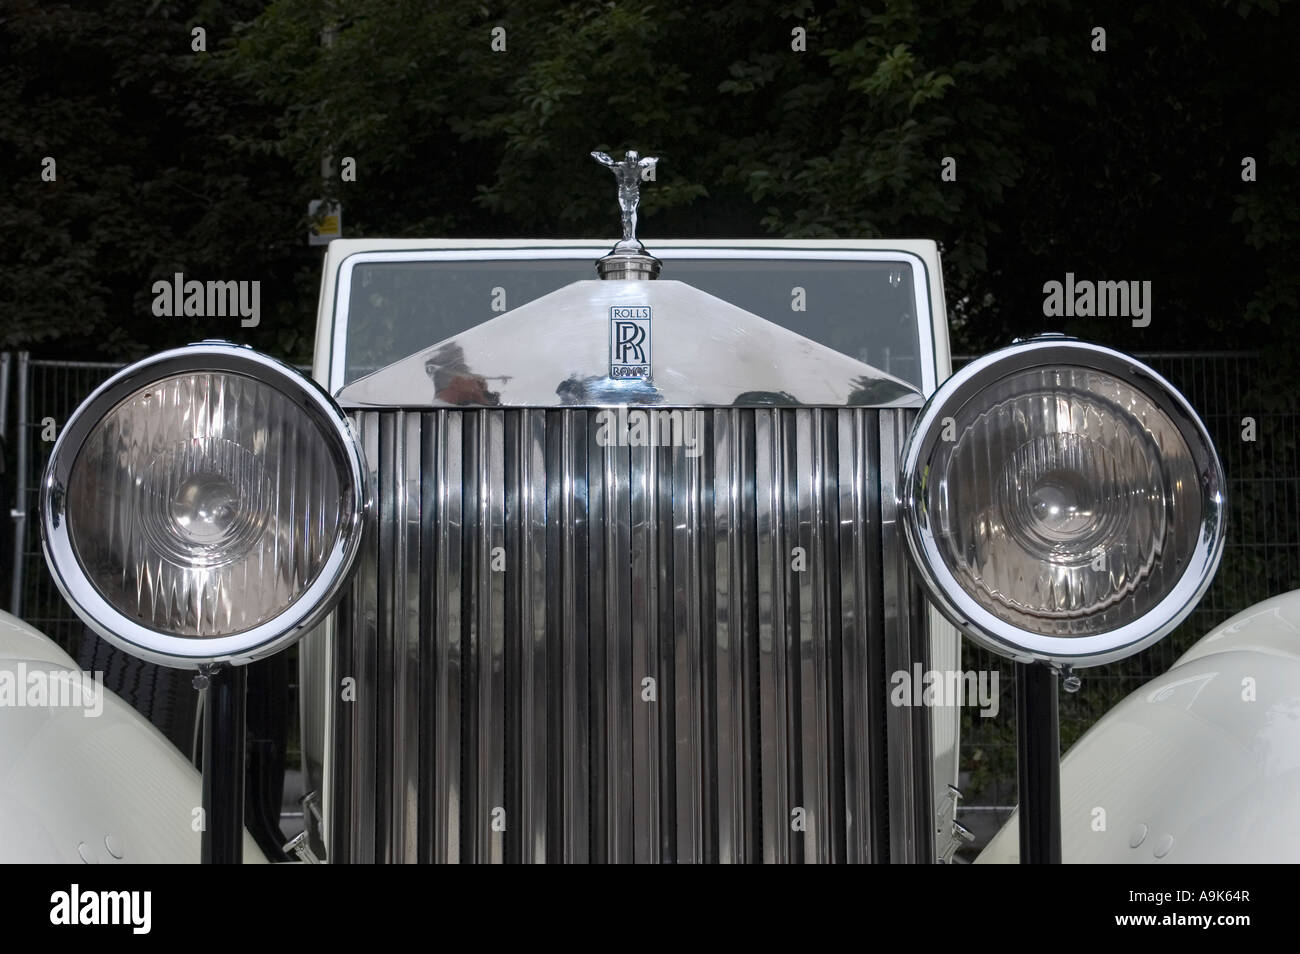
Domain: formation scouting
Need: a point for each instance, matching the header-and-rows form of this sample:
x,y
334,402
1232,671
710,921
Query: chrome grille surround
x,y
518,584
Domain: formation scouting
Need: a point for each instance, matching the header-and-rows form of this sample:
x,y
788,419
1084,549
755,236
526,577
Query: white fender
x,y
93,781
1199,765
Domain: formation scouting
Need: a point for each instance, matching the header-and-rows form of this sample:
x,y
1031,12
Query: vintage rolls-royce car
x,y
621,565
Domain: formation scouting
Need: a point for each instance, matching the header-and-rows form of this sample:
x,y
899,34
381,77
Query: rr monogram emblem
x,y
629,341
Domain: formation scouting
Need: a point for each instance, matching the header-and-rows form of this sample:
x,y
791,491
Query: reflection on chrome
x,y
555,352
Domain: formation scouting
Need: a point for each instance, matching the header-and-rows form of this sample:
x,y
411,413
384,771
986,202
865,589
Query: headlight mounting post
x,y
224,741
1038,763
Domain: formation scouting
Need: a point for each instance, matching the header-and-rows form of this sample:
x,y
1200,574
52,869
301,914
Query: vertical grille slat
x,y
599,532
643,658
617,637
904,646
408,639
534,675
731,687
861,646
573,585
774,554
444,694
387,639
359,687
684,655
491,820
813,639
525,572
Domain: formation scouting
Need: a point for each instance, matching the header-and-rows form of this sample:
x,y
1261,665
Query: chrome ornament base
x,y
628,261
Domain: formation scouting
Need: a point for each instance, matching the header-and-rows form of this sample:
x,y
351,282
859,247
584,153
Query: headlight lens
x,y
205,504
1063,502
1068,502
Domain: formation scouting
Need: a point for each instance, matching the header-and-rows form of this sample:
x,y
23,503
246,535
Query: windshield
x,y
864,309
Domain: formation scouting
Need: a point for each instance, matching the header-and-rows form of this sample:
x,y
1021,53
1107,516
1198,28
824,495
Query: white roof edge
x,y
341,248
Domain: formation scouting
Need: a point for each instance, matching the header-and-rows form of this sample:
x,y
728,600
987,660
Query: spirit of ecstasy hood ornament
x,y
629,258
628,173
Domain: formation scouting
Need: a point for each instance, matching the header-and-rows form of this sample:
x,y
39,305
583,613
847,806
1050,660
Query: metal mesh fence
x,y
47,392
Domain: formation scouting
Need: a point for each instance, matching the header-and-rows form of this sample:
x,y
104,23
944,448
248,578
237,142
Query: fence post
x,y
6,359
19,512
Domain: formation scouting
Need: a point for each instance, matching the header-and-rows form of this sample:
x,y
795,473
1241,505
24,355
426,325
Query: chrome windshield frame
x,y
584,251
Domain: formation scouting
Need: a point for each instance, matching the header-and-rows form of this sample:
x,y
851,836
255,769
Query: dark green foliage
x,y
1121,165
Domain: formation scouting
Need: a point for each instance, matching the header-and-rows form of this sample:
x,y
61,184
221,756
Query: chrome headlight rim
x,y
982,625
189,652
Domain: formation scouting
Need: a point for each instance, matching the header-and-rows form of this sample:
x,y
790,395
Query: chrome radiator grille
x,y
556,650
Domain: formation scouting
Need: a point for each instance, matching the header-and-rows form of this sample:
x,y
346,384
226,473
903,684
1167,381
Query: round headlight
x,y
203,505
1063,502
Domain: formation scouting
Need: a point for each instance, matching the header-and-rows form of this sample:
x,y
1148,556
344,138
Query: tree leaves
x,y
1118,165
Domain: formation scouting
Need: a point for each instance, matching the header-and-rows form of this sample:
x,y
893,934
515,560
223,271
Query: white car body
x,y
94,783
1200,765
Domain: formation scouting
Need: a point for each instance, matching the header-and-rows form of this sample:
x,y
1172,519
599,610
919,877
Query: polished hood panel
x,y
555,351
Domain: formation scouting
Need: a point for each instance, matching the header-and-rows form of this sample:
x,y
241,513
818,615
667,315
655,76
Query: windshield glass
x,y
864,309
